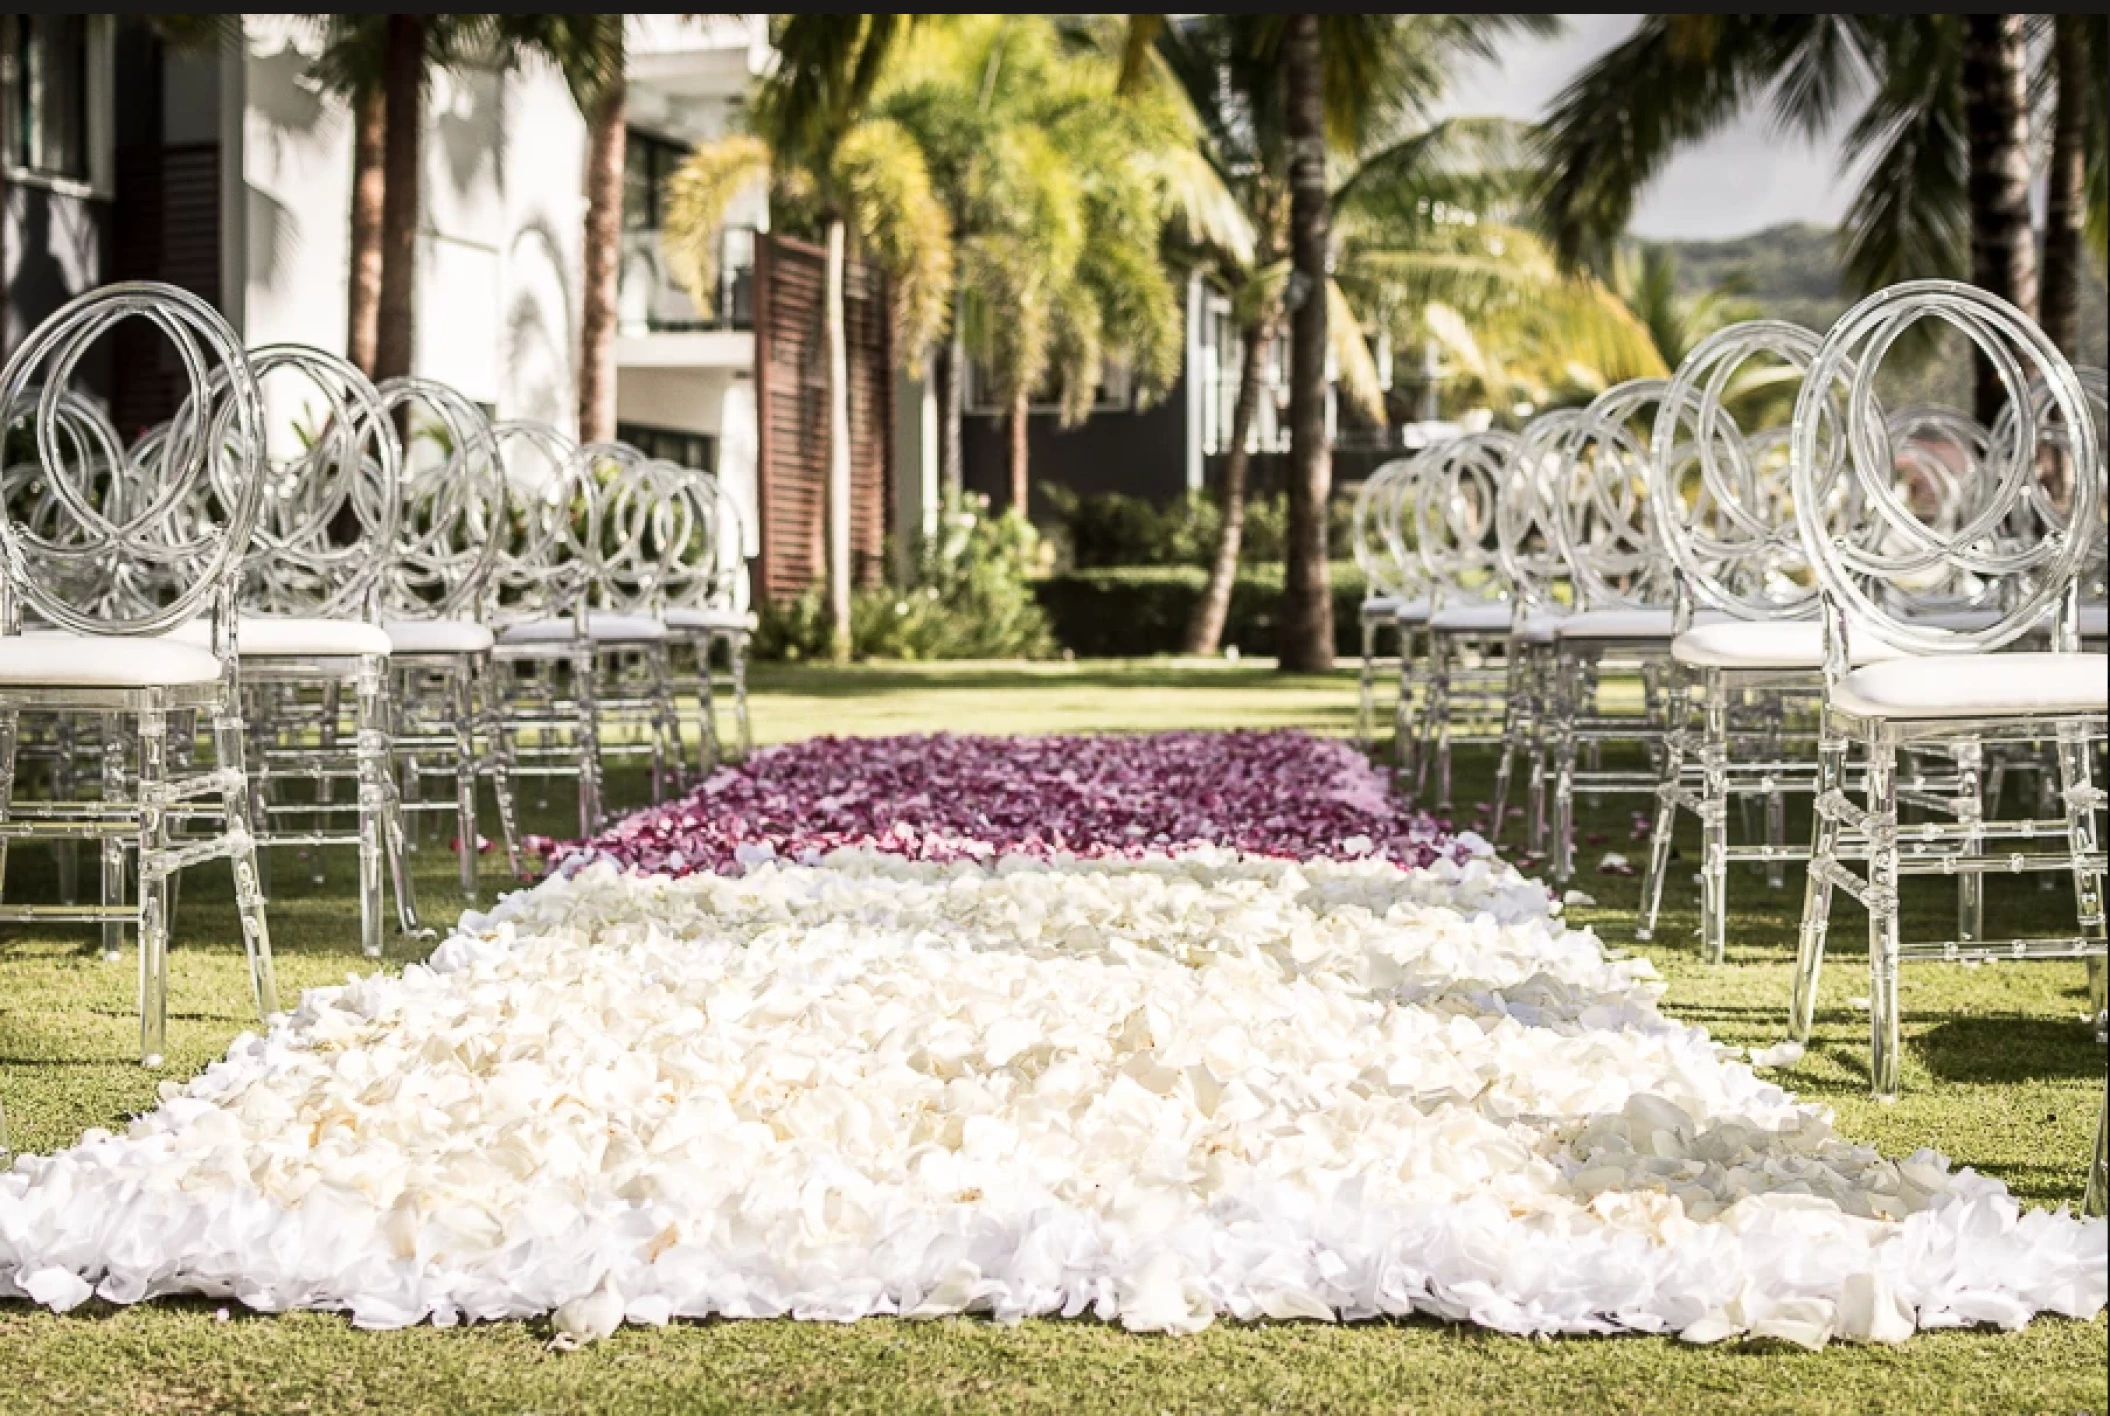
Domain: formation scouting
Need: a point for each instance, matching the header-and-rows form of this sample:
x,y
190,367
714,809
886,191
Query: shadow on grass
x,y
2007,1049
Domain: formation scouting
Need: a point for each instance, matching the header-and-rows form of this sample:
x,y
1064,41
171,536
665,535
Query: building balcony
x,y
658,324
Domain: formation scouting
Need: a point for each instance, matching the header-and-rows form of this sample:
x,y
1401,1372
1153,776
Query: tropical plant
x,y
836,169
1646,278
1419,245
1942,134
1057,201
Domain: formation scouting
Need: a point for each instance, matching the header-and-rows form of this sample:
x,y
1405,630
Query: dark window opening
x,y
46,61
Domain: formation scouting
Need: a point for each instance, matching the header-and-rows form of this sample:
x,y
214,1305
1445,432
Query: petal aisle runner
x,y
1155,1088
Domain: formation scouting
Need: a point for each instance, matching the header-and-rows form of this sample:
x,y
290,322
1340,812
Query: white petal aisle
x,y
1157,1091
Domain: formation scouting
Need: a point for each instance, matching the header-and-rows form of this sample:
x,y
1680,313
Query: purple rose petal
x,y
948,797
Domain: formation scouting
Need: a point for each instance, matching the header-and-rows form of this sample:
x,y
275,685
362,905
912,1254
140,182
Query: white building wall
x,y
501,207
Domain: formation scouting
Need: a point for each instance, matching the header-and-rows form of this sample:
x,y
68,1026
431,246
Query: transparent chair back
x,y
1598,507
100,512
1719,489
453,503
1526,543
542,559
1457,498
1374,530
1842,442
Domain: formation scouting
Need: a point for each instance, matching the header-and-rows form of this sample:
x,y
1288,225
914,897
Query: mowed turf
x,y
2000,1074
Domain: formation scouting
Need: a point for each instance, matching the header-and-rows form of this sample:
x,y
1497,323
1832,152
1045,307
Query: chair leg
x,y
113,848
248,890
1666,822
1563,774
381,842
1883,1019
1817,892
153,891
325,786
2095,1200
10,727
460,684
1714,826
499,743
707,750
1970,886
736,650
2081,799
584,672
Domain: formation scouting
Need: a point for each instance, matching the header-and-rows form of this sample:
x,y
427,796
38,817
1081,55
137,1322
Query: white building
x,y
231,175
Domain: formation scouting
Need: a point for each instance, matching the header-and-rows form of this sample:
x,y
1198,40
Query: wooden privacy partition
x,y
791,406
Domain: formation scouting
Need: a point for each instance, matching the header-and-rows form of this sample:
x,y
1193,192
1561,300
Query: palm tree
x,y
834,167
590,52
1942,133
1415,238
1647,279
351,64
2080,132
1058,203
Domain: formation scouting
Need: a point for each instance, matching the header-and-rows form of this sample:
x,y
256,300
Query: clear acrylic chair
x,y
1541,595
1458,487
445,726
310,637
92,568
708,601
1623,624
543,568
1957,693
1389,604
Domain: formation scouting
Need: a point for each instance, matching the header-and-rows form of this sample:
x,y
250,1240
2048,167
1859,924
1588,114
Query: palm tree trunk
x,y
1021,479
952,405
2066,204
2003,245
838,519
1205,630
369,184
403,87
603,253
1307,598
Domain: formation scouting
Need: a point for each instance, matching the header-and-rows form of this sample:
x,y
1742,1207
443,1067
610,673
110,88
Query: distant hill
x,y
1792,273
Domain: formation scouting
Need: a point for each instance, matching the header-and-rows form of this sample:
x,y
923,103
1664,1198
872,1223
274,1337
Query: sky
x,y
1743,179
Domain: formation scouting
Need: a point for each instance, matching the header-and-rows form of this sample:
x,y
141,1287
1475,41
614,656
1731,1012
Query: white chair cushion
x,y
287,637
47,658
1771,644
1956,621
1412,612
1977,686
722,618
438,636
602,628
1628,624
1539,629
1472,619
2095,621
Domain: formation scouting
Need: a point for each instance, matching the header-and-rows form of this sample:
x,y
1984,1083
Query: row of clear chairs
x,y
280,618
1770,581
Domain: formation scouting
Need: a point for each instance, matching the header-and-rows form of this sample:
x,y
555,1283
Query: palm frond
x,y
1353,364
889,202
1910,220
697,197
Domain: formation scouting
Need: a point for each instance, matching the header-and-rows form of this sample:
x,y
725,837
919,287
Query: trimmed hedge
x,y
1135,611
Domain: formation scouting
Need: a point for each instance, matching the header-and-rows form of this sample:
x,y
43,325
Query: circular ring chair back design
x,y
1719,490
1525,539
103,511
1598,502
542,562
690,536
2056,470
1457,496
1380,548
1842,441
453,502
331,493
624,570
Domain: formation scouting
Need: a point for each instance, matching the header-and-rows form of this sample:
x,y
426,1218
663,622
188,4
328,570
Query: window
x,y
1115,393
46,63
647,164
670,444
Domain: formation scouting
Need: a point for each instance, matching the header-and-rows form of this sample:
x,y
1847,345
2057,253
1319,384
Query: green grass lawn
x,y
2000,1074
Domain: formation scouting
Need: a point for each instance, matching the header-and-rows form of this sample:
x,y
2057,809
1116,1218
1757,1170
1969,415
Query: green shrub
x,y
1109,529
1136,611
968,598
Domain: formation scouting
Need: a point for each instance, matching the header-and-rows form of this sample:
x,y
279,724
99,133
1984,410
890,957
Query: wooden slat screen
x,y
792,409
